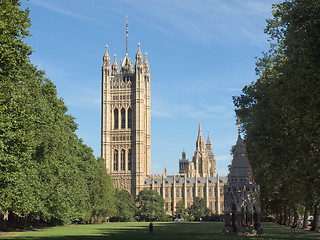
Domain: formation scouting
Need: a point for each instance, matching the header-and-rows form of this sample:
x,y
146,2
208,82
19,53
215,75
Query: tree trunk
x,y
2,222
286,217
305,218
282,220
296,215
315,222
11,223
290,217
278,218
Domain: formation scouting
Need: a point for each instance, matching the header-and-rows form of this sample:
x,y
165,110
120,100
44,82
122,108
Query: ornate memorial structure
x,y
241,196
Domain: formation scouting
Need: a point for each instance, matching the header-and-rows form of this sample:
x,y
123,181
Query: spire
x,y
126,34
200,141
106,53
115,65
106,57
240,171
146,63
145,58
183,155
208,139
126,65
138,55
199,132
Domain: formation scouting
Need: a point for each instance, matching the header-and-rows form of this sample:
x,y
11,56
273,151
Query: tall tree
x,y
47,174
279,112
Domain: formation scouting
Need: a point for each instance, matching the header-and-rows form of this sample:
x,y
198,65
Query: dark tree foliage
x,y
181,211
280,111
198,209
47,175
150,206
125,207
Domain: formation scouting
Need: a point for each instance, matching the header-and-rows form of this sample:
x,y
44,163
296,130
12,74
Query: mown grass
x,y
168,231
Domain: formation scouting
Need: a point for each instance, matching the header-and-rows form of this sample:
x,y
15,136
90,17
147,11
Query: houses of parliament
x,y
126,145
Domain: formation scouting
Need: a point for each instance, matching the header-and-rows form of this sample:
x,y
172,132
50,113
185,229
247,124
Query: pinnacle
x,y
200,133
115,59
145,57
208,139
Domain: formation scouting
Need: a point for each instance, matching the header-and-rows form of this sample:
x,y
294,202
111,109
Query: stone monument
x,y
241,196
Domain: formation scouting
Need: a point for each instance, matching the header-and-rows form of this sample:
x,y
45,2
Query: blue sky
x,y
201,53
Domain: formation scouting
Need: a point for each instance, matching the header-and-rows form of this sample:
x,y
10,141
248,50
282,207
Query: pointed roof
x,y
106,57
200,132
115,65
146,63
240,170
126,64
138,55
200,142
208,140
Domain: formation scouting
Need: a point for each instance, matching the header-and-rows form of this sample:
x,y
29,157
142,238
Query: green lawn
x,y
168,231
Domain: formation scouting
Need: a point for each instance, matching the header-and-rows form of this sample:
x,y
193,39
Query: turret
x,y
115,66
106,58
146,63
138,57
183,164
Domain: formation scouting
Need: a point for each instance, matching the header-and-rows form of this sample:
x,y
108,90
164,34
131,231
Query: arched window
x,y
115,160
123,118
123,160
130,160
116,118
129,118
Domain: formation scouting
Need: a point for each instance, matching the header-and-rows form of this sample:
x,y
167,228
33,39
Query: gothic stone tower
x,y
203,161
125,122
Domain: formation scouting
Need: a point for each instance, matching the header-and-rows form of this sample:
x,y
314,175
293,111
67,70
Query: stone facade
x,y
125,141
177,188
196,179
125,128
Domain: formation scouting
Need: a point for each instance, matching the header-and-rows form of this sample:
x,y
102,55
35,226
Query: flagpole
x,y
126,34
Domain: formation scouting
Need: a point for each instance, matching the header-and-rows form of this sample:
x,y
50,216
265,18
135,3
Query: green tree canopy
x,y
280,111
180,210
150,205
125,205
47,174
198,209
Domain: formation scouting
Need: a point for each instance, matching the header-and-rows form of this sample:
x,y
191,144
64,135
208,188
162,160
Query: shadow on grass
x,y
168,231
